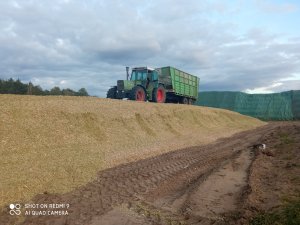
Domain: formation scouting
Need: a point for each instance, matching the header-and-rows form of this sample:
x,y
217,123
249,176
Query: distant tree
x,y
37,90
46,92
12,86
8,86
55,91
82,92
3,87
29,88
19,87
68,92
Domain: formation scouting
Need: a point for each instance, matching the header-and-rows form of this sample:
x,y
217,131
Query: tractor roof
x,y
143,68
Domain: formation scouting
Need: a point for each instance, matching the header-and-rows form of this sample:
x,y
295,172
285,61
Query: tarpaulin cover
x,y
277,106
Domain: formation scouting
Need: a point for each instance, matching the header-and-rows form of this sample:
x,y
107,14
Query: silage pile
x,y
55,144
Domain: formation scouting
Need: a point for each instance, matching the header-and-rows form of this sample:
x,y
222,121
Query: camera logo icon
x,y
15,209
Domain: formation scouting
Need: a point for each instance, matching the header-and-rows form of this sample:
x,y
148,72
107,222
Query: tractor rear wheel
x,y
185,100
138,94
112,93
159,94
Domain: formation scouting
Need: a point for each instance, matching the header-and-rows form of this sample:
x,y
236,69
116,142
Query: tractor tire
x,y
112,93
185,100
159,94
138,94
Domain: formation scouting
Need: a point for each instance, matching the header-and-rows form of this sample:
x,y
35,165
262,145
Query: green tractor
x,y
160,85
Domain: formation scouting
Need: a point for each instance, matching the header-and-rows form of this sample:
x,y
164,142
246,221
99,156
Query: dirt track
x,y
191,186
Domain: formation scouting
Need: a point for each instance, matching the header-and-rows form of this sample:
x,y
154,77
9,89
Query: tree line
x,y
12,86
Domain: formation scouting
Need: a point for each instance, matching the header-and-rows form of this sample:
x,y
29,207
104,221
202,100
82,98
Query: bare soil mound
x,y
273,192
55,144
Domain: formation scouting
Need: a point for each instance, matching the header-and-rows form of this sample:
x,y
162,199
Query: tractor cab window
x,y
138,75
154,76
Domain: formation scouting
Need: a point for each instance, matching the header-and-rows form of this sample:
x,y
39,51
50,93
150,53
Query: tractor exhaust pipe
x,y
127,72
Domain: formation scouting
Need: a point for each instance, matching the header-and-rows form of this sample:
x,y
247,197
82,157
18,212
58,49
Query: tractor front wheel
x,y
112,92
138,94
159,94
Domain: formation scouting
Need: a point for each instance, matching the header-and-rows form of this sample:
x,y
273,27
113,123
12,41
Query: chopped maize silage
x,y
56,144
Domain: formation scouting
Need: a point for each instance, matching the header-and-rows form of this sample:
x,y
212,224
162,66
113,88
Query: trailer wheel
x,y
191,101
185,100
159,94
112,93
138,94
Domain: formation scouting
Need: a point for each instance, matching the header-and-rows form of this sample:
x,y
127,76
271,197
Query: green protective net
x,y
296,104
277,106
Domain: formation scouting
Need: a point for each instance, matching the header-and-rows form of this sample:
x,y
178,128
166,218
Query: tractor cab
x,y
146,78
144,74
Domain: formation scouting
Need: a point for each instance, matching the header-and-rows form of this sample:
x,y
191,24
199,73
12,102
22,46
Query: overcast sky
x,y
239,45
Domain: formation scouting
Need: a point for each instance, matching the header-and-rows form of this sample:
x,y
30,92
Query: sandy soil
x,y
199,185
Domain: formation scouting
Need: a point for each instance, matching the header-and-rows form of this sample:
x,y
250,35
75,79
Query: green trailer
x,y
182,87
166,84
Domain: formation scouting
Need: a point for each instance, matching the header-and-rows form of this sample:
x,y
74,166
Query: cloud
x,y
265,90
273,7
276,87
88,44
